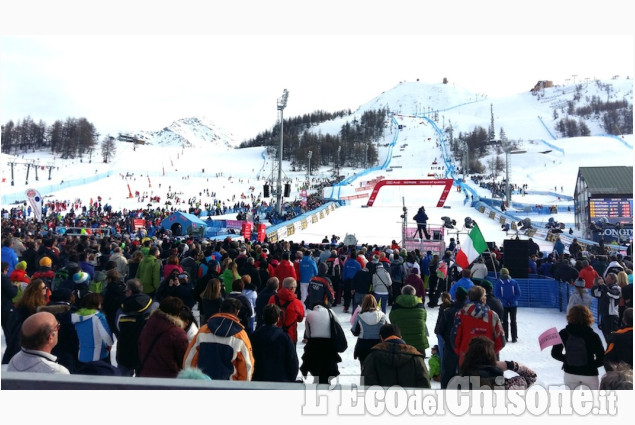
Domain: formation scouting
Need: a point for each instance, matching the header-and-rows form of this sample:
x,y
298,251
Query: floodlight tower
x,y
509,151
282,103
309,155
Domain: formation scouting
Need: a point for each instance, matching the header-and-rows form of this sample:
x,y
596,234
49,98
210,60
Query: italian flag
x,y
471,248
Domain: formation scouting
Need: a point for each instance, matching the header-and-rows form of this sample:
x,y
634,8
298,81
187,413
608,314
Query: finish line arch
x,y
415,182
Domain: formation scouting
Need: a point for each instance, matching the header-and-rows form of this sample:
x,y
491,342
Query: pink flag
x,y
548,338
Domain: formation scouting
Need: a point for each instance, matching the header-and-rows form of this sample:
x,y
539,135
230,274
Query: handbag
x,y
337,335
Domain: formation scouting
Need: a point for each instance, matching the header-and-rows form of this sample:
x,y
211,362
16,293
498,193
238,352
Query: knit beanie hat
x,y
45,262
21,265
485,283
80,277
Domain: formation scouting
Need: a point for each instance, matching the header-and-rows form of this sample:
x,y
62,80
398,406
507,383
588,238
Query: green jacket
x,y
434,363
149,273
227,277
394,362
409,314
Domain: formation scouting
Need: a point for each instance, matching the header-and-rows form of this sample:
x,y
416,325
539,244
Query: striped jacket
x,y
221,349
93,333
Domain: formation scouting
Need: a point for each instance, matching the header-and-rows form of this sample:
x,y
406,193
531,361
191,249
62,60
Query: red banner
x,y
246,230
415,182
261,229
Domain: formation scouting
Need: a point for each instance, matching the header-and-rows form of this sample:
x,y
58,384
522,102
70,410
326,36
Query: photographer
x,y
481,365
177,284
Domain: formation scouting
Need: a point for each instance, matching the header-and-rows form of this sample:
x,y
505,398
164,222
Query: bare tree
x,y
108,148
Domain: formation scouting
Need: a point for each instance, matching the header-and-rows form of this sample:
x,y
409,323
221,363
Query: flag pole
x,y
489,252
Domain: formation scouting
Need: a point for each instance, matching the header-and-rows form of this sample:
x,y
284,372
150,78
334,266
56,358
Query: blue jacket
x,y
308,269
545,268
464,282
93,333
351,267
421,217
221,349
508,291
558,247
425,265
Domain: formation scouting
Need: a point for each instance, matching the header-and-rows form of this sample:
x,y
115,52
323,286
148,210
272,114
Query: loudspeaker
x,y
266,190
516,258
287,190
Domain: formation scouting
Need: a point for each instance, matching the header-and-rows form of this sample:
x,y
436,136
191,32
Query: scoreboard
x,y
616,210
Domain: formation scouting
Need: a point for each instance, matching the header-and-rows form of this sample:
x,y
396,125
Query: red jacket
x,y
589,274
385,261
476,319
46,274
294,312
296,267
415,281
18,275
162,345
285,269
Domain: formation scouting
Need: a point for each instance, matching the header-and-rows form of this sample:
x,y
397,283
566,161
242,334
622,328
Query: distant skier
x,y
422,219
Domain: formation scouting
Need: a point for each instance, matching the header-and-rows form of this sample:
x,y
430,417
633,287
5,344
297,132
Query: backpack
x,y
283,313
407,269
575,351
396,272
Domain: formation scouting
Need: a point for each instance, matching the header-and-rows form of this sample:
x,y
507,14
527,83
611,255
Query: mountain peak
x,y
195,131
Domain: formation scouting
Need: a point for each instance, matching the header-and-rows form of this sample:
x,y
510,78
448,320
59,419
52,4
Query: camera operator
x,y
178,285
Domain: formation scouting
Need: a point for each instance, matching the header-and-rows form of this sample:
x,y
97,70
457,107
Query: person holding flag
x,y
471,249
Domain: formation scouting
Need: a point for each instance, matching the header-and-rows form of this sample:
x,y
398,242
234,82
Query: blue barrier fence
x,y
20,196
622,141
544,292
551,134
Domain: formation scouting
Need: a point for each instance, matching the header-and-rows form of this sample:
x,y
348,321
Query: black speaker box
x,y
516,258
265,189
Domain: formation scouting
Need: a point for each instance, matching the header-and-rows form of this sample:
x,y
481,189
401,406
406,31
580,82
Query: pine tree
x,y
492,131
503,136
